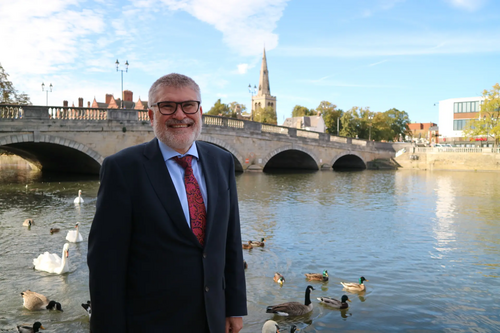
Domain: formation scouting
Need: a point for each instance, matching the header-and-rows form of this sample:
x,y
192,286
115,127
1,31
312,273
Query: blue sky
x,y
381,54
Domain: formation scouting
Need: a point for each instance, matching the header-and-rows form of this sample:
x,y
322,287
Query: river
x,y
428,242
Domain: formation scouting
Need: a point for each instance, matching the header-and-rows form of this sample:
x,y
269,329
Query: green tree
x,y
302,111
352,123
221,109
488,122
330,114
398,122
236,108
265,115
8,93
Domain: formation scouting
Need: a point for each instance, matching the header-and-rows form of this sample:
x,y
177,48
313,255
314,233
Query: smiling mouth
x,y
179,125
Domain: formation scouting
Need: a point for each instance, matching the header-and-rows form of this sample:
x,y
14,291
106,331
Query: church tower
x,y
263,98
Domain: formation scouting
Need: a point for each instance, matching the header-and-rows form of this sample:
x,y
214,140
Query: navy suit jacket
x,y
148,272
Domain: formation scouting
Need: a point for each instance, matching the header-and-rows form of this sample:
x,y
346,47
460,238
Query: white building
x,y
453,115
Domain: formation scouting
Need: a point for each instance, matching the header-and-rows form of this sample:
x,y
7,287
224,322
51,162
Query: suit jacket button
x,y
206,289
204,255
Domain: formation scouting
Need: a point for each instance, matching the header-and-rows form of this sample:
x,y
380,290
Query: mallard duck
x,y
259,244
30,329
74,236
270,326
54,230
247,246
335,302
317,276
87,308
353,286
279,278
36,301
28,223
52,263
78,199
293,308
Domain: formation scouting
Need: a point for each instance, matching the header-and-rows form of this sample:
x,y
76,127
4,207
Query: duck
x,y
28,223
30,329
293,308
317,276
52,263
54,230
279,278
79,199
36,301
259,244
74,236
247,246
270,326
335,302
353,286
87,308
245,265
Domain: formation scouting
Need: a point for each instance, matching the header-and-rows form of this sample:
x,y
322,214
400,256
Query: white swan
x,y
270,326
78,199
28,223
74,236
52,263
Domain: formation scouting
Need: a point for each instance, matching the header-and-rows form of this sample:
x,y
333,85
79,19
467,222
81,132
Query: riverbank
x,y
9,161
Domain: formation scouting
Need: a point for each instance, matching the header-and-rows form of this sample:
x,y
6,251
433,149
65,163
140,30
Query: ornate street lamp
x,y
49,89
121,70
252,91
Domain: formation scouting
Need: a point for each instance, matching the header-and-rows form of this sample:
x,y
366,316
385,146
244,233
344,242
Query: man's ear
x,y
201,109
151,116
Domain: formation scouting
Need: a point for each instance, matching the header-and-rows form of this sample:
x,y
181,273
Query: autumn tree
x,y
488,122
8,93
330,114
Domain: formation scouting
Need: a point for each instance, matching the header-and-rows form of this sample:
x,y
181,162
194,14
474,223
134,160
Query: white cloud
x,y
469,5
242,68
246,25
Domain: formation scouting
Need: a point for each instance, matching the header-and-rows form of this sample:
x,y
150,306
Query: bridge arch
x,y
306,159
238,159
53,153
348,160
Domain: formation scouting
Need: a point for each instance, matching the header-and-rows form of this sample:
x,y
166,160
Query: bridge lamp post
x,y
370,117
49,89
121,70
252,91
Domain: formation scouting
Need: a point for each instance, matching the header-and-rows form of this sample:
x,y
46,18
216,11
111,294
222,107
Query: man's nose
x,y
178,113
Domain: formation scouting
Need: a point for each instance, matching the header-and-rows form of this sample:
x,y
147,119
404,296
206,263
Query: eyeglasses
x,y
168,108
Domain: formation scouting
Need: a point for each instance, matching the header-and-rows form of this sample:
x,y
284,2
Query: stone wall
x,y
449,161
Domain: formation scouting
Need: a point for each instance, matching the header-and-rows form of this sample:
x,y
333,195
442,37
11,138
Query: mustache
x,y
185,121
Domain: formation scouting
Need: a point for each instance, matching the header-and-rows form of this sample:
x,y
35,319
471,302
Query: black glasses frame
x,y
176,104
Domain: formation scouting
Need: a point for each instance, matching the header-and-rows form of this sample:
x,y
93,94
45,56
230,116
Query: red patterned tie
x,y
197,212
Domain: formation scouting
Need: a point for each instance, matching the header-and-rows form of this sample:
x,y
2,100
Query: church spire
x,y
264,89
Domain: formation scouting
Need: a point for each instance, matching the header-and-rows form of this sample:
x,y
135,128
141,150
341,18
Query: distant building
x,y
308,123
423,133
454,114
263,97
128,103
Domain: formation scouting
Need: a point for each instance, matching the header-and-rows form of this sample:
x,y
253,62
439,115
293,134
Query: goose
x,y
78,199
54,230
293,308
74,236
317,276
247,246
28,223
353,286
30,329
259,244
270,326
36,301
50,262
87,308
335,302
279,278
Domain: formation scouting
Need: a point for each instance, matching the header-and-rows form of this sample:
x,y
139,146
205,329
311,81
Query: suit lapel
x,y
162,184
209,169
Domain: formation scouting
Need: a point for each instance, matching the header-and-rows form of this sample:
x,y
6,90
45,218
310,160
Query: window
x,y
459,107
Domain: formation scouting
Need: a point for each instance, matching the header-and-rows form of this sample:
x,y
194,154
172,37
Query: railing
x,y
456,150
274,129
77,113
11,111
308,134
222,121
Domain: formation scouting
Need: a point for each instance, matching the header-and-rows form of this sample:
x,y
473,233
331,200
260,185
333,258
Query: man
x,y
159,260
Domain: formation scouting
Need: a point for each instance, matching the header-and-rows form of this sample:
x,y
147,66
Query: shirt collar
x,y
168,152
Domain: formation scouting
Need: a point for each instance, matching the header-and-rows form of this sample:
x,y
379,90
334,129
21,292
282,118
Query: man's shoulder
x,y
211,148
129,153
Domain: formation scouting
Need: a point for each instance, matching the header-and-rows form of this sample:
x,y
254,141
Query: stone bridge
x,y
78,139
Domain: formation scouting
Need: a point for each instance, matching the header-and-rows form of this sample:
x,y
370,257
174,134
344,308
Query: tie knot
x,y
184,162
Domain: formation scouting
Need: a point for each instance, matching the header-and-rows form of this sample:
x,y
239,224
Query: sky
x,y
380,54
